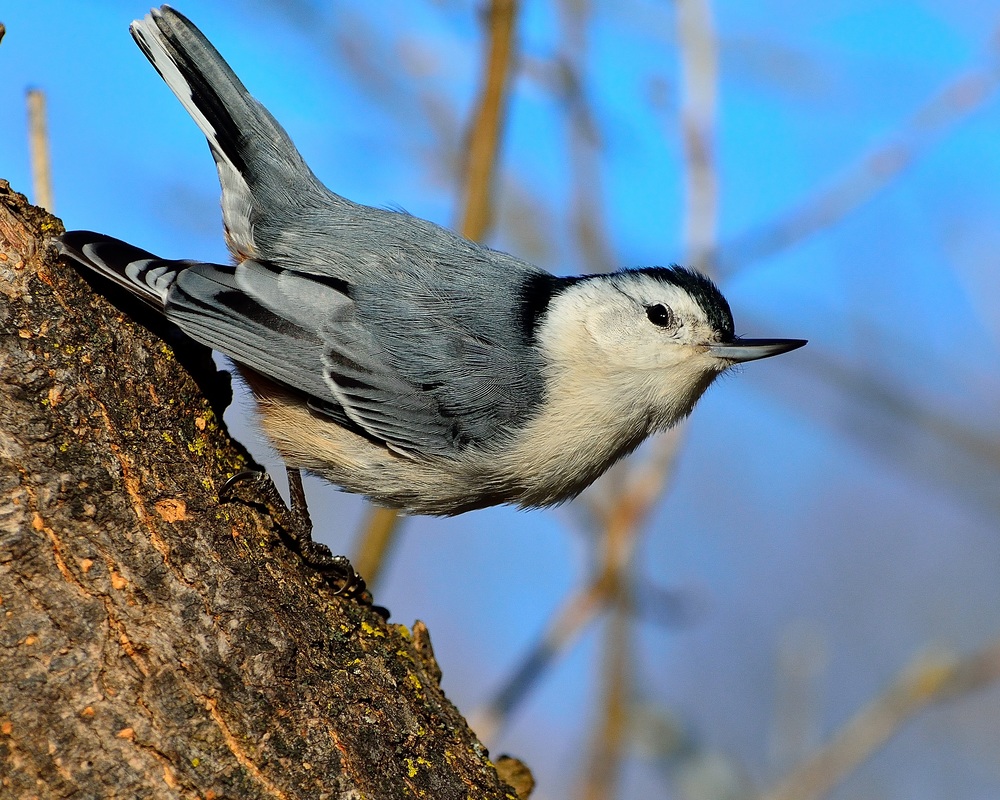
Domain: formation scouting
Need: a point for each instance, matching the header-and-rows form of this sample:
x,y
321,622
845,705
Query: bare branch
x,y
873,171
377,535
622,500
925,682
698,52
611,735
644,481
38,142
897,426
566,625
377,539
487,124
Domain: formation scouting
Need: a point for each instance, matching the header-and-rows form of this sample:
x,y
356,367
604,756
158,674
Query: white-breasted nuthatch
x,y
397,359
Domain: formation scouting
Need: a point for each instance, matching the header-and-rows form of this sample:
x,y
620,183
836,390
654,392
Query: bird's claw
x,y
296,524
228,491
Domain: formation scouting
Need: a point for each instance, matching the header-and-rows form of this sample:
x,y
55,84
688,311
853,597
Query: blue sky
x,y
848,490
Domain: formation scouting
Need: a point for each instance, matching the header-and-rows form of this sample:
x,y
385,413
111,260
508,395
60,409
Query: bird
x,y
393,357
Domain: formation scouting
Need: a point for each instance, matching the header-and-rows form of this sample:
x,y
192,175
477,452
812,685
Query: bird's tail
x,y
259,167
141,273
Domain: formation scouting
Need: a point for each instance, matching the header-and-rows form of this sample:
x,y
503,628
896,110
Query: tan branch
x,y
644,481
487,124
38,142
621,502
573,617
610,736
378,533
381,526
925,682
698,52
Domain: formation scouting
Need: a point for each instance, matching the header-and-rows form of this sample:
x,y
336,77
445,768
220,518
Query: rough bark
x,y
155,642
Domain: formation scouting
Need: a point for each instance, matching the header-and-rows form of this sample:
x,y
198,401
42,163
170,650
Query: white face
x,y
640,323
631,344
629,354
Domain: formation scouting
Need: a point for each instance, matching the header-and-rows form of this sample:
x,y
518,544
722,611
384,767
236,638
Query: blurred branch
x,y
379,529
611,735
872,172
563,629
619,522
901,429
581,608
802,661
484,135
924,682
665,608
870,390
38,142
643,477
3,30
698,51
619,539
619,504
644,481
585,144
378,534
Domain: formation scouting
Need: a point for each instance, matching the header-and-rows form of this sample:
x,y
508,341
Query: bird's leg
x,y
315,553
297,525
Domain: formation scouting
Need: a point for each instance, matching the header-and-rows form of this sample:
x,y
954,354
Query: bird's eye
x,y
660,315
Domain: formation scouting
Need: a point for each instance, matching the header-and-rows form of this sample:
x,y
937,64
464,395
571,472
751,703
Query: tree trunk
x,y
155,642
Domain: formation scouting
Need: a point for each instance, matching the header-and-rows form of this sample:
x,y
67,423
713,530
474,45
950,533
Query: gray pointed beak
x,y
753,349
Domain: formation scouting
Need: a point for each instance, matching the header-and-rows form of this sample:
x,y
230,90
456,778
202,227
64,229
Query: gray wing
x,y
424,362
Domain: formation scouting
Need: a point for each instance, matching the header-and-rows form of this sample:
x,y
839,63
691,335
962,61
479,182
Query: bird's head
x,y
659,335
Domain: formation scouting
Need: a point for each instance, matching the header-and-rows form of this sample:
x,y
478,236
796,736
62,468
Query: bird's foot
x,y
255,487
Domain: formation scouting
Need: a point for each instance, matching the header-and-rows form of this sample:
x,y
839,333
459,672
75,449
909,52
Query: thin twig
x,y
565,626
872,172
887,419
378,534
610,736
572,618
923,683
644,478
38,141
619,519
698,53
604,762
484,135
621,502
645,482
802,659
586,216
584,605
379,526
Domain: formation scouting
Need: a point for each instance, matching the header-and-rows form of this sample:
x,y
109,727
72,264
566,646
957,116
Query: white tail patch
x,y
148,35
236,194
